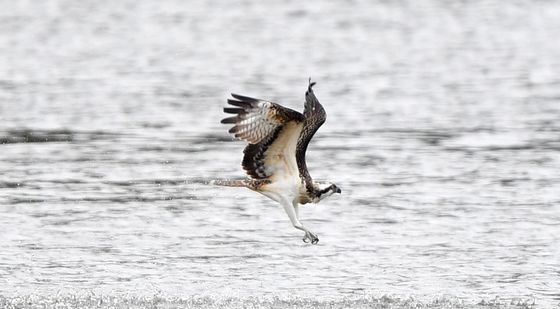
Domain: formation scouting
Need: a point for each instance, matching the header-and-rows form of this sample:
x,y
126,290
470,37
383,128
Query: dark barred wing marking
x,y
254,157
258,122
315,116
255,119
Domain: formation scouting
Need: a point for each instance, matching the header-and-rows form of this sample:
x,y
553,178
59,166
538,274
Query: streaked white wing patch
x,y
256,123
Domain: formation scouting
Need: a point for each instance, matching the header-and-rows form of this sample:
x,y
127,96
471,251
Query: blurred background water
x,y
443,132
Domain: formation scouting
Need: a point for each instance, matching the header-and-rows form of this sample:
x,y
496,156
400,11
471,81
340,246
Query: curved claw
x,y
310,238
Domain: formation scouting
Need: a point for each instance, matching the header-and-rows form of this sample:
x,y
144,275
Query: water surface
x,y
442,132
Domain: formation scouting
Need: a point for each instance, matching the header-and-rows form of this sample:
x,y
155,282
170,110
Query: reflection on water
x,y
442,132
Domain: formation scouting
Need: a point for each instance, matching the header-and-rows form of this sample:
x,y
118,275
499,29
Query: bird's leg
x,y
309,236
292,211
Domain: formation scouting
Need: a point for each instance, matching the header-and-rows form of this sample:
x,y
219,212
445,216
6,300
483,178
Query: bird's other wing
x,y
262,124
314,116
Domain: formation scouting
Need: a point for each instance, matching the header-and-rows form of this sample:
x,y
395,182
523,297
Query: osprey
x,y
274,159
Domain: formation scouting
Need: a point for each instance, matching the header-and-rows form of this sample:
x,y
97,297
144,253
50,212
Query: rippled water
x,y
443,132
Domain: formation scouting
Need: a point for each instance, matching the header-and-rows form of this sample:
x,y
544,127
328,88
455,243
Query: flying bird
x,y
274,158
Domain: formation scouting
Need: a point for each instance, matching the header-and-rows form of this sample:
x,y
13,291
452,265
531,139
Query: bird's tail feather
x,y
229,182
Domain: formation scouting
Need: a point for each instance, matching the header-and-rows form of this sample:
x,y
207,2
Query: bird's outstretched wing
x,y
314,116
262,124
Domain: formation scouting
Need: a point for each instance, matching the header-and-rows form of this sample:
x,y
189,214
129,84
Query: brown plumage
x,y
314,115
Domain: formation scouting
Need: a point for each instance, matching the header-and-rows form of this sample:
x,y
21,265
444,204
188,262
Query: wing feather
x,y
256,119
315,116
259,123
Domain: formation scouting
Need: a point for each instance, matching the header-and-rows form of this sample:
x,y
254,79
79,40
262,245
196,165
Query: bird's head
x,y
327,189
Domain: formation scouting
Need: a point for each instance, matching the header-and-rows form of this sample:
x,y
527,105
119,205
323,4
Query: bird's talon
x,y
310,238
